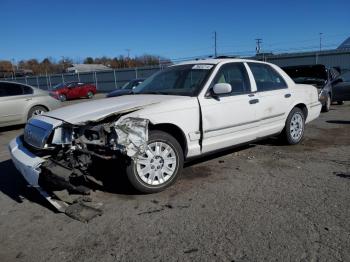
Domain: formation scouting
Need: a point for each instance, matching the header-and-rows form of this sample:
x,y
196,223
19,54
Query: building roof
x,y
345,44
87,68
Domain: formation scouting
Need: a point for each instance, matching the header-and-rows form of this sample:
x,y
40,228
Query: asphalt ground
x,y
261,202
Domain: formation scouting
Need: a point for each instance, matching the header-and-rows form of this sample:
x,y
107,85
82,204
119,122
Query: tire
x,y
90,95
35,111
340,103
153,160
62,98
293,131
327,105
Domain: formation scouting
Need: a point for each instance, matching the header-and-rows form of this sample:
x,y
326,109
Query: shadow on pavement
x,y
341,122
15,187
10,128
343,175
217,154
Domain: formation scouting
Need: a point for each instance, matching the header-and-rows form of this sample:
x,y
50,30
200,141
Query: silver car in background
x,y
19,102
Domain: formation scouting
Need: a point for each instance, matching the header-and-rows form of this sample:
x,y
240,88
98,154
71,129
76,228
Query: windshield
x,y
184,80
127,85
58,86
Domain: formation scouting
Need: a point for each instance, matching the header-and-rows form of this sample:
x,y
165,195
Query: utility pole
x,y
215,45
258,43
321,41
128,50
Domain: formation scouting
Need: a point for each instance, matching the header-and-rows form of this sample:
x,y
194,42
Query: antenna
x,y
215,45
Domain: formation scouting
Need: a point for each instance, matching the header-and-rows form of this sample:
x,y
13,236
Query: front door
x,y
229,119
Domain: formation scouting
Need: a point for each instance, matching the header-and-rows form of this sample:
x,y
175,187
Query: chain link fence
x,y
103,80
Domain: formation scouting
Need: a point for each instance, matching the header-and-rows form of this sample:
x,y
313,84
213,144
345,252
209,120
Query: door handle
x,y
28,99
287,95
253,101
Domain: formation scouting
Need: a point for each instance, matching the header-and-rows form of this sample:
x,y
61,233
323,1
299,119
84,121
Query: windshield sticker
x,y
203,67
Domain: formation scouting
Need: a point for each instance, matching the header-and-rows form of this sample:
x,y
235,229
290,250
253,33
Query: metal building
x,y
339,57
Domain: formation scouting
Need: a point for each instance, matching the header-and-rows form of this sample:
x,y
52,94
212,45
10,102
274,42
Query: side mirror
x,y
222,88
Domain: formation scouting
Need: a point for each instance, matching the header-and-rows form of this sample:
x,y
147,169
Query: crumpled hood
x,y
101,108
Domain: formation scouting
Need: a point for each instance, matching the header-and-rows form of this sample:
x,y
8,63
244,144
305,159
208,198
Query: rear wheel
x,y
62,97
295,126
340,103
327,105
159,166
35,111
90,95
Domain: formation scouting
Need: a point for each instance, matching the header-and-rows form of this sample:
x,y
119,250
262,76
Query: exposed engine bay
x,y
69,149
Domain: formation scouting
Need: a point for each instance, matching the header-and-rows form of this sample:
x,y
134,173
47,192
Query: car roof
x,y
15,82
215,61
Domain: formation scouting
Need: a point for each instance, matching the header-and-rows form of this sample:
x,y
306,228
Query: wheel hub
x,y
157,162
157,165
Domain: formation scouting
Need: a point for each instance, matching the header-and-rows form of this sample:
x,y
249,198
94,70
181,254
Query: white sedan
x,y
19,102
182,112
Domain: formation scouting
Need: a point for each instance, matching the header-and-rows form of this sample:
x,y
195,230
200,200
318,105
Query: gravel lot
x,y
263,202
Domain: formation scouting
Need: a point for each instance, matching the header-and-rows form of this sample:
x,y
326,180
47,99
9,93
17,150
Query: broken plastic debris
x,y
133,134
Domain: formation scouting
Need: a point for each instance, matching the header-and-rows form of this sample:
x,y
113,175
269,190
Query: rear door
x,y
229,119
13,102
274,98
341,87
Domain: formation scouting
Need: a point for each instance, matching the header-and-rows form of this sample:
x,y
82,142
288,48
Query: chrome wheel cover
x,y
157,165
37,112
296,126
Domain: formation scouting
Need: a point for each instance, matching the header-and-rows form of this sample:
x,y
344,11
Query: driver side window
x,y
236,75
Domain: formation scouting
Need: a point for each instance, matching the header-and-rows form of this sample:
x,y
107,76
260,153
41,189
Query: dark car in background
x,y
341,88
319,76
126,89
72,90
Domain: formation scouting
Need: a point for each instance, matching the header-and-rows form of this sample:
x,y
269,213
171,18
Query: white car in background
x,y
184,111
19,102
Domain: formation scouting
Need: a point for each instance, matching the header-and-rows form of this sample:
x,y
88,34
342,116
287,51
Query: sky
x,y
174,29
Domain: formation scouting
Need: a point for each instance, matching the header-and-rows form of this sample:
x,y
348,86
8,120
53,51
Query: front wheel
x,y
159,166
90,95
327,105
35,111
295,126
62,98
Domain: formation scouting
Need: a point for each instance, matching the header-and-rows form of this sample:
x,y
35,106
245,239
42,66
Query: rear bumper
x,y
314,111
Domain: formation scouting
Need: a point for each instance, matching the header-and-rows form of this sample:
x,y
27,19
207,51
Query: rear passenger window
x,y
266,78
2,90
27,90
10,89
236,75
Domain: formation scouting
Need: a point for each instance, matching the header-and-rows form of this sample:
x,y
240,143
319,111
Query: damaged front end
x,y
68,150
